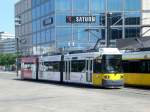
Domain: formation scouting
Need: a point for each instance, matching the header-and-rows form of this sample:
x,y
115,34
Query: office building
x,y
7,43
49,25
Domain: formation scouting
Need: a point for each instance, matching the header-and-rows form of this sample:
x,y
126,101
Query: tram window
x,y
125,66
143,67
27,66
148,66
97,66
134,67
47,66
51,66
111,63
78,66
41,66
56,66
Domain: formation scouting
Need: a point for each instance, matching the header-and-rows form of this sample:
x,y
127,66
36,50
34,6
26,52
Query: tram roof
x,y
136,55
100,50
94,54
50,58
82,54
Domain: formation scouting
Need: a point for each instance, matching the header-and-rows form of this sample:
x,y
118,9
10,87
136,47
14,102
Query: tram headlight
x,y
106,77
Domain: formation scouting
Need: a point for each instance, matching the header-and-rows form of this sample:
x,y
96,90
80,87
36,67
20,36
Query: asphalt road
x,y
31,96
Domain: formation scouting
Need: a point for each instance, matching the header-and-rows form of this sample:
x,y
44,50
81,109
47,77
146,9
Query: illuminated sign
x,y
80,19
48,21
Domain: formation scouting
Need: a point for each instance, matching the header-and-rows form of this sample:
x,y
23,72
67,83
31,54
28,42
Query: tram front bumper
x,y
112,83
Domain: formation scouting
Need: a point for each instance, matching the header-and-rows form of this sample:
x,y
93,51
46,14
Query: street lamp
x,y
18,41
17,59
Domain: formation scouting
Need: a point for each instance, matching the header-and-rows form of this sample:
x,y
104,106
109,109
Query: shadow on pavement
x,y
138,87
72,85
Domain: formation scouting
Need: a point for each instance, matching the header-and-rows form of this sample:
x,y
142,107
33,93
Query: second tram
x,y
136,67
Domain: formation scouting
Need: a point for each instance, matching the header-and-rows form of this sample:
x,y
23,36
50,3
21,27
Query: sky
x,y
7,16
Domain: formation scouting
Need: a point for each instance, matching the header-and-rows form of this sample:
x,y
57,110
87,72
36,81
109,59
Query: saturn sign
x,y
80,19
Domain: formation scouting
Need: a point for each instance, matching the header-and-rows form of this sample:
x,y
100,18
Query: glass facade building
x,y
48,25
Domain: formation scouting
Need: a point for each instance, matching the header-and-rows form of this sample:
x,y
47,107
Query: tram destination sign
x,y
80,19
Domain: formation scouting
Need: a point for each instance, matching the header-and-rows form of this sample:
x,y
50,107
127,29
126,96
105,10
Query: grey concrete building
x,y
7,43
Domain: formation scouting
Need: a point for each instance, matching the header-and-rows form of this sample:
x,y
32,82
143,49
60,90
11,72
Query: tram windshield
x,y
112,63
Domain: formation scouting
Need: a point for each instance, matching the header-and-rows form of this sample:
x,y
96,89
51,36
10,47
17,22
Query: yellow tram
x,y
136,66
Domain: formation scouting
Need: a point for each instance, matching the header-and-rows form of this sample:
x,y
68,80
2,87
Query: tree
x,y
7,59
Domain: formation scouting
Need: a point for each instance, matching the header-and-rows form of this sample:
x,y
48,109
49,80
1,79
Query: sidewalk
x,y
7,72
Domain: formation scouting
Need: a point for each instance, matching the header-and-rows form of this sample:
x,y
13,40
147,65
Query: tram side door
x,y
89,69
67,69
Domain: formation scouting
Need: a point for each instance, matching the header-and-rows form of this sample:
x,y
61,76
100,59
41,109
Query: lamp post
x,y
18,53
17,59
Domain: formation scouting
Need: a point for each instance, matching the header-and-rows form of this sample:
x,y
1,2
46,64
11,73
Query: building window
x,y
115,5
80,35
132,18
53,34
116,19
50,5
116,33
61,20
38,38
34,3
133,5
95,35
46,7
63,34
38,25
43,35
34,39
98,6
33,13
132,32
63,4
82,5
102,19
38,10
48,35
